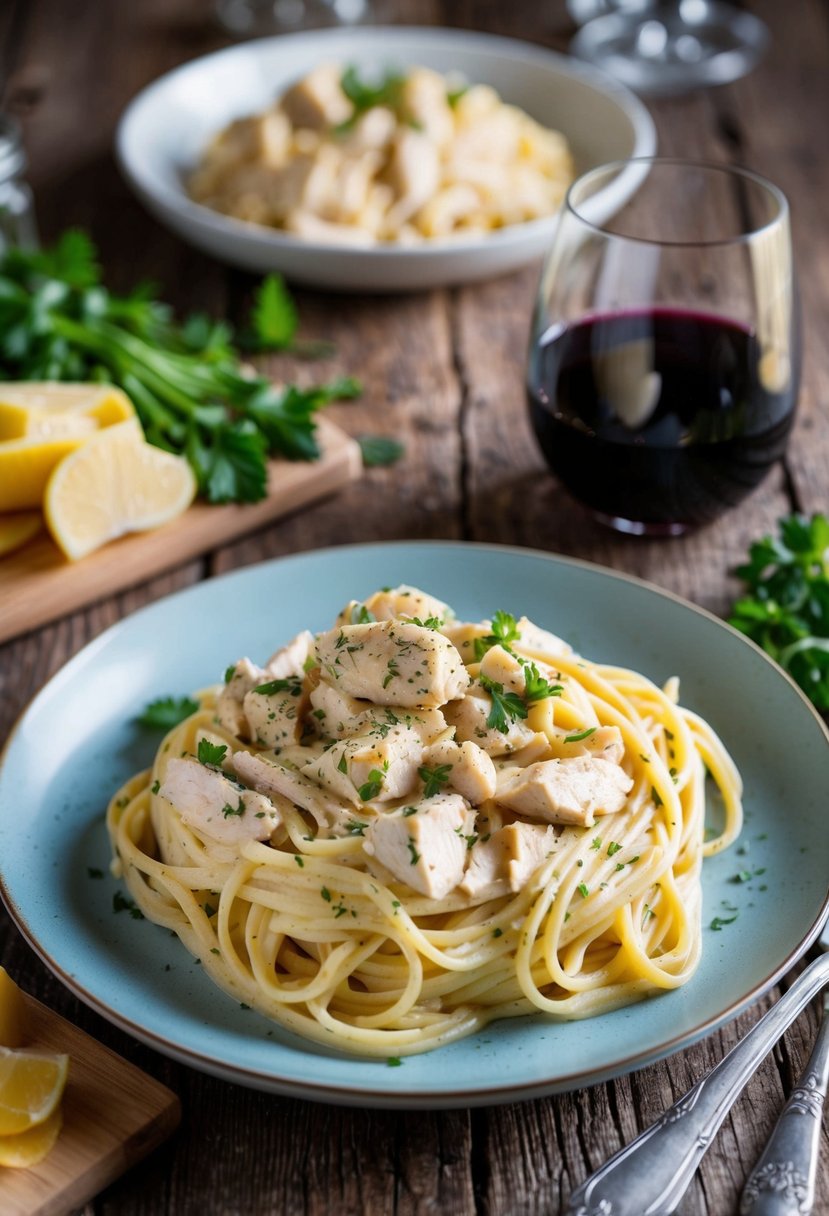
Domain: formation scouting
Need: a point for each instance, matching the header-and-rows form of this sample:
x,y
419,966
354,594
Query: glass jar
x,y
17,217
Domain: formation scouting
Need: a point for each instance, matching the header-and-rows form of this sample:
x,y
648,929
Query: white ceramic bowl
x,y
165,128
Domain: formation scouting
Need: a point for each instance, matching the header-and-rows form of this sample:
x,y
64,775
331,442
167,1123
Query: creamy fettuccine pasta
x,y
349,161
407,826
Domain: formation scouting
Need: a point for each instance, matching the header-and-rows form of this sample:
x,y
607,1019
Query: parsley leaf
x,y
211,753
380,450
434,779
582,734
291,684
786,608
364,95
506,706
274,314
371,788
536,688
167,712
504,631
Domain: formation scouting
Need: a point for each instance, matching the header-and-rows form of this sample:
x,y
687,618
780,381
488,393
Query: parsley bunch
x,y
786,610
192,395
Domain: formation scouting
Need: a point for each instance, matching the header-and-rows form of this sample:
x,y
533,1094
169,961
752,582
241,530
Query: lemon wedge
x,y
45,409
25,467
31,1086
16,530
29,1147
12,1011
113,484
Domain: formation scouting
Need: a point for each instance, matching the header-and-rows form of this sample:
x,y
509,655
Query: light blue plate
x,y
79,740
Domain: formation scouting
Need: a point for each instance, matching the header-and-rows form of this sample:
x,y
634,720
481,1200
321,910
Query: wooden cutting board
x,y
38,585
113,1116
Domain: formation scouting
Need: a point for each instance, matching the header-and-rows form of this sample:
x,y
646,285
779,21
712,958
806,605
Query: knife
x,y
782,1182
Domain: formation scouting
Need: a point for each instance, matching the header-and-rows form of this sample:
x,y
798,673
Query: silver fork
x,y
782,1182
649,1176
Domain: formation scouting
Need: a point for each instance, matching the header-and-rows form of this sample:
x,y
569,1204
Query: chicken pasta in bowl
x,y
408,157
407,826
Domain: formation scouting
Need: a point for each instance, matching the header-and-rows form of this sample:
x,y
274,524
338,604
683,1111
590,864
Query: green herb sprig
x,y
191,392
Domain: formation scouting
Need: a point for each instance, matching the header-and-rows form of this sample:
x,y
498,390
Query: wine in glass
x,y
665,352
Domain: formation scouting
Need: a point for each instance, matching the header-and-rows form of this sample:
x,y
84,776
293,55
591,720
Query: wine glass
x,y
666,47
664,357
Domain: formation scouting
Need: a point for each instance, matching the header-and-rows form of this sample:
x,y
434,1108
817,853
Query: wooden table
x,y
443,371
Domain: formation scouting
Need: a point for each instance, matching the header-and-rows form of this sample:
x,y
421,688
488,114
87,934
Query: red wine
x,y
658,420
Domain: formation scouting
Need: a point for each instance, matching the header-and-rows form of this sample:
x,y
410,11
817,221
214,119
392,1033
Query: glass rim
x,y
728,170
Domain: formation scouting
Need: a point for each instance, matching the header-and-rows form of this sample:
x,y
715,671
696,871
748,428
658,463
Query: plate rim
x,y
346,1093
157,192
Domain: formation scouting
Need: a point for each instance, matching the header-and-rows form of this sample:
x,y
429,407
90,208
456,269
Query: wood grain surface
x,y
443,371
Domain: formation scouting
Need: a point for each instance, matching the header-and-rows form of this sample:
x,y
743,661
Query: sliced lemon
x,y
27,1148
31,1086
25,466
32,409
115,483
12,1011
16,530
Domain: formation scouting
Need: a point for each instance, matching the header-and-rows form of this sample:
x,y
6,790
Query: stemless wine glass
x,y
665,349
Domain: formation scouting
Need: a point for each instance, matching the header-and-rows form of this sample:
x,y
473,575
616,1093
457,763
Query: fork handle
x,y
782,1182
649,1176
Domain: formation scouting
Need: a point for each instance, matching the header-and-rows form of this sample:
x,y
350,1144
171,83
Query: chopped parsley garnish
x,y
434,779
718,922
371,788
230,672
583,734
360,615
293,685
326,894
612,848
504,631
299,861
583,890
596,843
453,96
431,622
394,1062
121,903
536,688
655,795
497,932
409,810
414,852
355,828
342,764
167,712
364,95
506,706
229,811
211,753
155,787
392,670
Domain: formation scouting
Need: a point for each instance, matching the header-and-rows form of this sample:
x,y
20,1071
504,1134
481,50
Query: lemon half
x,y
113,484
31,1086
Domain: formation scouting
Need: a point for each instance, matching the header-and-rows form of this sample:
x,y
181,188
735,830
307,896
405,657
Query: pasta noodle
x,y
378,909
340,160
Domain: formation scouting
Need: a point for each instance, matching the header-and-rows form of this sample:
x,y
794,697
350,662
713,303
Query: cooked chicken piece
x,y
264,138
535,638
230,702
604,742
423,845
472,773
565,791
508,859
290,659
274,718
373,130
339,716
306,224
215,805
274,779
503,668
398,603
426,104
318,100
370,768
413,172
469,717
392,663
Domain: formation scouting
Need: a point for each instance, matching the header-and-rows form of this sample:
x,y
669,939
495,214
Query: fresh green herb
x,y
299,861
583,734
453,96
583,890
355,828
155,787
237,811
189,388
596,843
371,788
211,753
504,631
230,672
326,894
718,922
394,1062
506,706
786,608
655,795
121,903
409,810
434,779
342,764
742,876
414,853
497,932
167,712
536,688
431,622
364,95
360,615
380,450
293,685
612,848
